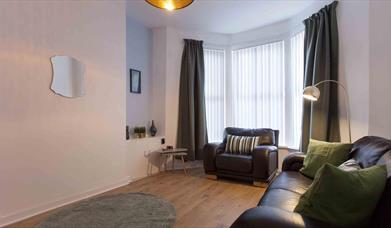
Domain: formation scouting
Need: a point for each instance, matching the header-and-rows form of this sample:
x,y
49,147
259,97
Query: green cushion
x,y
320,153
343,198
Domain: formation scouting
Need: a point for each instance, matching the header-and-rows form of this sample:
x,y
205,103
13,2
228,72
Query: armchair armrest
x,y
265,216
210,152
265,161
293,162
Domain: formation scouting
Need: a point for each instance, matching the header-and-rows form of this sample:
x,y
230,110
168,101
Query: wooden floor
x,y
199,202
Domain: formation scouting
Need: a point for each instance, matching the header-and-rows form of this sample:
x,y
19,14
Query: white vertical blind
x,y
215,93
261,93
258,94
296,98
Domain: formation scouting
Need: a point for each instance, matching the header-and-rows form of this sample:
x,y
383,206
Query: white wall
x,y
54,150
138,57
365,55
353,28
158,80
140,108
380,68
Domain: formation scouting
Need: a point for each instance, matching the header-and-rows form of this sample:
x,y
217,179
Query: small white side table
x,y
182,152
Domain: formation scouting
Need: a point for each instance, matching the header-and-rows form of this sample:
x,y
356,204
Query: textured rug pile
x,y
134,210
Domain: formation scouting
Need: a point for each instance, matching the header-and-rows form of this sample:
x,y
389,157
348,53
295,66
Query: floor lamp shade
x,y
312,93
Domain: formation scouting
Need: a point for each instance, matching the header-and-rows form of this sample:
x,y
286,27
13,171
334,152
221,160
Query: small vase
x,y
153,129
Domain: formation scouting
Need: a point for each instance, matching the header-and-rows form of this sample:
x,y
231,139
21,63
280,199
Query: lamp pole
x,y
346,101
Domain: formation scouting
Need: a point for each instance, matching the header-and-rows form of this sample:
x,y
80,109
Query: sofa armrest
x,y
265,217
293,162
265,162
210,152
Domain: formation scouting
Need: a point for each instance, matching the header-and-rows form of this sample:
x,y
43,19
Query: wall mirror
x,y
68,76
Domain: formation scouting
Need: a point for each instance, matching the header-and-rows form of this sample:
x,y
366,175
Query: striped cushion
x,y
242,145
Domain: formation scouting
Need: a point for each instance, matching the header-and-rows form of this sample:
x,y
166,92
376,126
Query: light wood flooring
x,y
199,202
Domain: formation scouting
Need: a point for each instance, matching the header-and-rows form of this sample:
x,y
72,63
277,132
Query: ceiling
x,y
219,16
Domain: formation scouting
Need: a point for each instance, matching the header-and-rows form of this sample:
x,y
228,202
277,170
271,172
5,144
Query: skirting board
x,y
19,216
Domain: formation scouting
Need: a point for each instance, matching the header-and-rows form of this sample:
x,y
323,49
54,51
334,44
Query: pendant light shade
x,y
170,4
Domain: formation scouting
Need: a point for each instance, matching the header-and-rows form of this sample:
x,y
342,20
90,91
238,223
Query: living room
x,y
195,113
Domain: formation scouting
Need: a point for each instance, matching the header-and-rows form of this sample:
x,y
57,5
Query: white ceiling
x,y
219,16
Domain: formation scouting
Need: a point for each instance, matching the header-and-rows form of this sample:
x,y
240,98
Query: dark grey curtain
x,y
192,133
320,118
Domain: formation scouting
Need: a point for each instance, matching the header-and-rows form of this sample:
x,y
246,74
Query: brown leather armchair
x,y
259,167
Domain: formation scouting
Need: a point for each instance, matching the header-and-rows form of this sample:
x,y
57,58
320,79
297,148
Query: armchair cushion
x,y
269,136
242,145
233,162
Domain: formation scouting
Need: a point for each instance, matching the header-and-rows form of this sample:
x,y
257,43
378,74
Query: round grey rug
x,y
129,210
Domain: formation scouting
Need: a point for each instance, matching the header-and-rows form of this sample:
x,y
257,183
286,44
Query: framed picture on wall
x,y
135,81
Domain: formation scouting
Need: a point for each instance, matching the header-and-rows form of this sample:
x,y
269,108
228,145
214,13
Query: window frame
x,y
237,45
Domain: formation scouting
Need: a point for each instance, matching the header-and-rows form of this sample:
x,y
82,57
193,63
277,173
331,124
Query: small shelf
x,y
145,138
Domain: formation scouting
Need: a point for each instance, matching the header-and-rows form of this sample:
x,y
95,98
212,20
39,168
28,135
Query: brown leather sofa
x,y
259,167
275,209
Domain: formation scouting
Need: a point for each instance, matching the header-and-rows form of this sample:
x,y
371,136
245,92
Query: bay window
x,y
263,89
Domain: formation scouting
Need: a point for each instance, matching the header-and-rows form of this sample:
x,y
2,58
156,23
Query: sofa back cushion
x,y
267,136
369,149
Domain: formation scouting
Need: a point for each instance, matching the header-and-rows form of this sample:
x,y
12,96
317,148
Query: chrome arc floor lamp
x,y
312,93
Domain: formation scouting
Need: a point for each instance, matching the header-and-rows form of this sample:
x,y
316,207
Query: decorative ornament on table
x,y
139,132
153,129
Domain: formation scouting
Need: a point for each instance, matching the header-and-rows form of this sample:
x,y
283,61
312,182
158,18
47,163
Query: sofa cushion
x,y
369,149
292,181
320,153
350,165
343,198
280,198
233,162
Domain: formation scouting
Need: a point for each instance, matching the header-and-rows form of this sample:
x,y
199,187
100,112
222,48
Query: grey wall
x,y
139,57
